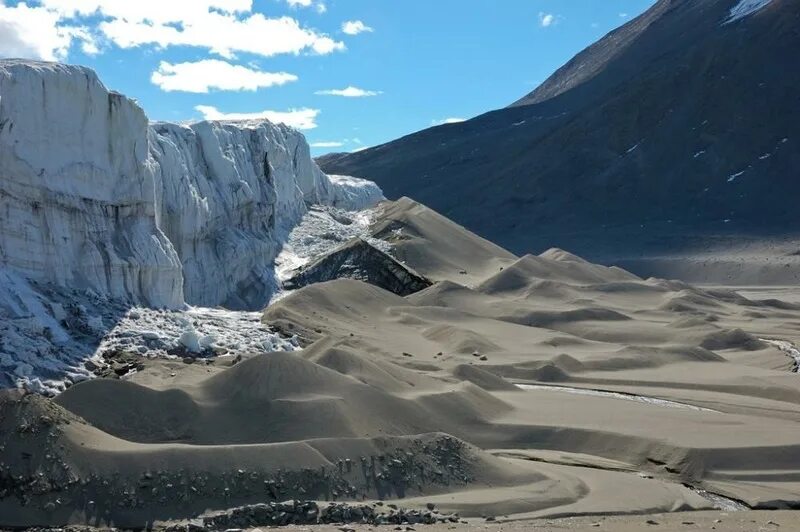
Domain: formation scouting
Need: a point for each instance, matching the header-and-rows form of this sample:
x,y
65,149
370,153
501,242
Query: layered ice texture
x,y
96,200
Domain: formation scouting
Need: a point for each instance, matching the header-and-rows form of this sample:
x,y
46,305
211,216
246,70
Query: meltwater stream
x,y
615,395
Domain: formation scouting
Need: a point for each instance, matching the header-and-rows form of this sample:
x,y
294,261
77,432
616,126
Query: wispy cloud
x,y
208,74
319,6
349,92
452,120
297,118
354,27
327,144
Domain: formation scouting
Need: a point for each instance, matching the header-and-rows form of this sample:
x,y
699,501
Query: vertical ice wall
x,y
77,201
92,197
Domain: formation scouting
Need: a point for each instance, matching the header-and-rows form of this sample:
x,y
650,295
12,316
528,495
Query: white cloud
x,y
349,92
333,144
623,15
362,148
443,121
156,11
35,33
546,19
224,27
354,27
209,74
297,118
224,34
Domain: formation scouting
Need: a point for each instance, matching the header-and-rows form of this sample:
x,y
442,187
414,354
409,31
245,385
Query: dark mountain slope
x,y
683,136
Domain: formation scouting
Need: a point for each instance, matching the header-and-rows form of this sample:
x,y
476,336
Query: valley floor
x,y
530,387
753,521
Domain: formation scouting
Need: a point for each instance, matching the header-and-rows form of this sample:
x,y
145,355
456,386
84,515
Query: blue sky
x,y
406,64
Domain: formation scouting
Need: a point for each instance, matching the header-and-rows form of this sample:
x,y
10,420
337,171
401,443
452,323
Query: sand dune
x,y
658,386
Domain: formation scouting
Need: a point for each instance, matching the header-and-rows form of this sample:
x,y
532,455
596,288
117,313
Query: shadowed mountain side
x,y
674,137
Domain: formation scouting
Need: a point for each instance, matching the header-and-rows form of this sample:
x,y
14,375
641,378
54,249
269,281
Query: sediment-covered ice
x,y
99,207
321,230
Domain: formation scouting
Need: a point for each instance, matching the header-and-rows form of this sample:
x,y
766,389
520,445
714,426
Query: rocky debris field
x,y
312,513
52,480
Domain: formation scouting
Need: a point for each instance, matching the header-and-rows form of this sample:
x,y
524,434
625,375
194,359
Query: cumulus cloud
x,y
452,120
297,118
224,34
546,19
354,27
225,27
35,33
349,92
209,74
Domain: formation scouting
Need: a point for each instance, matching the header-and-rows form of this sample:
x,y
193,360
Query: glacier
x,y
102,212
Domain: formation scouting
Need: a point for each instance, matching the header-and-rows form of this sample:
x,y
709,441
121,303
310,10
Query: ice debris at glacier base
x,y
47,333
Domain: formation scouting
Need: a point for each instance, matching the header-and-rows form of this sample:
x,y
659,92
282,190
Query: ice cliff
x,y
104,215
94,197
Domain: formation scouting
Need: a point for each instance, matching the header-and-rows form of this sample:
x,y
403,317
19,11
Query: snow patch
x,y
744,9
733,177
